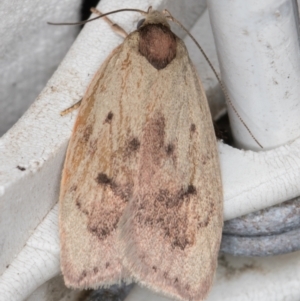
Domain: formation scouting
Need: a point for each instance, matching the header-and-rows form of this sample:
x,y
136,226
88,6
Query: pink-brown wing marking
x,y
171,229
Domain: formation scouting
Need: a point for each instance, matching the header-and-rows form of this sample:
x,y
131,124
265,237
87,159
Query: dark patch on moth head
x,y
21,168
102,178
157,44
109,117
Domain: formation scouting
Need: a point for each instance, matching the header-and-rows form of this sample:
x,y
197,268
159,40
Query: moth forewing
x,y
141,189
171,229
89,208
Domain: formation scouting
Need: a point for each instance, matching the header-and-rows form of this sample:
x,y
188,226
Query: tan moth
x,y
141,193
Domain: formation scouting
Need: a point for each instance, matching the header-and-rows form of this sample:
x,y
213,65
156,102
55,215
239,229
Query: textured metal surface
x,y
271,231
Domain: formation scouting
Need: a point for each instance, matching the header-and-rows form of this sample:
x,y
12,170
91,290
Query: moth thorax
x,y
157,44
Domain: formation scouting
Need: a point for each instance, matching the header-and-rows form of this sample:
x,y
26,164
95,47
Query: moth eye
x,y
140,23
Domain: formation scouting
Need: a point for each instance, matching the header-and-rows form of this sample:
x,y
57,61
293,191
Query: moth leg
x,y
71,109
115,27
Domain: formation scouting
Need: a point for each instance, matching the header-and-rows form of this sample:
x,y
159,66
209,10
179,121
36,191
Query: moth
x,y
141,193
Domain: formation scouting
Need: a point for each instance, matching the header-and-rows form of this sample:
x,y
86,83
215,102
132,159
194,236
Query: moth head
x,y
154,17
157,43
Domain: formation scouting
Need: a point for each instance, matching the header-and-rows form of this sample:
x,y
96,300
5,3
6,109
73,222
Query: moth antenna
x,y
118,29
171,18
103,15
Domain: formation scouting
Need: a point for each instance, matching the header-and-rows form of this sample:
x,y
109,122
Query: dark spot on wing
x,y
193,128
103,219
92,146
134,145
87,133
107,265
96,270
153,141
102,230
180,242
157,44
205,219
170,149
171,212
109,117
21,168
191,189
78,204
82,276
102,178
169,201
73,188
124,191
